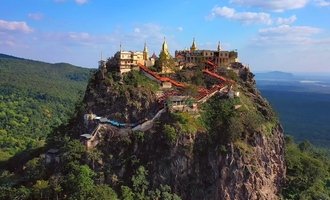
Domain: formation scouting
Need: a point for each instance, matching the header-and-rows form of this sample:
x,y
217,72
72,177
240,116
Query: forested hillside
x,y
34,98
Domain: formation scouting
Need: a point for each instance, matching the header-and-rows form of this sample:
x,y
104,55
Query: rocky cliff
x,y
232,149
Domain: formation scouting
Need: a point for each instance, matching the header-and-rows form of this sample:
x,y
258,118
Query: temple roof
x,y
193,46
165,47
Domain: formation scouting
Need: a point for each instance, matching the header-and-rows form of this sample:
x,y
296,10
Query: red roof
x,y
162,79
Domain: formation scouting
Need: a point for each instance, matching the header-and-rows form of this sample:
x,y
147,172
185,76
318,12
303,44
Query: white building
x,y
129,60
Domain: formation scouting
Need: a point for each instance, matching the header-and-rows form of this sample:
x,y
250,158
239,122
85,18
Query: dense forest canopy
x,y
35,97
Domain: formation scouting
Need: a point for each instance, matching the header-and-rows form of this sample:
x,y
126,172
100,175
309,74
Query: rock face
x,y
251,167
109,99
255,176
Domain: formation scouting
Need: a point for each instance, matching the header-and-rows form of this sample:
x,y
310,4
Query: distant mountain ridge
x,y
52,79
26,59
274,75
9,56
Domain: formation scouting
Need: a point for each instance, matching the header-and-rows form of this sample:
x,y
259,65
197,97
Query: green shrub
x,y
170,133
232,75
136,79
139,135
221,119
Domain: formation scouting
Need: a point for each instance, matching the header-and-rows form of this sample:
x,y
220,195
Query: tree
x,y
55,185
14,193
6,178
308,172
34,169
219,117
198,78
170,133
140,183
127,193
40,188
164,193
94,155
73,151
79,184
165,63
103,192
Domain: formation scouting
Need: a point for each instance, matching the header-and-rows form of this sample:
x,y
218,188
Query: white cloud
x,y
287,35
137,30
145,31
71,39
287,21
180,29
288,48
36,16
13,40
151,33
15,26
322,3
243,17
132,40
224,11
79,36
274,5
286,29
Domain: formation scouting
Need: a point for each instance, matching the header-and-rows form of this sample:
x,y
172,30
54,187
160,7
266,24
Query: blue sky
x,y
286,35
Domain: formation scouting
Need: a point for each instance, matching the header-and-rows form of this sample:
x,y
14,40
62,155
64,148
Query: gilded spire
x,y
219,46
145,49
165,47
145,52
193,46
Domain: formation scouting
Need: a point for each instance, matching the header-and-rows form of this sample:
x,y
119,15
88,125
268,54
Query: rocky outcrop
x,y
257,174
195,167
109,98
195,170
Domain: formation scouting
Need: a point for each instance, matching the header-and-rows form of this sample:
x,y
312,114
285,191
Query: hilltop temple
x,y
194,56
128,60
125,61
166,64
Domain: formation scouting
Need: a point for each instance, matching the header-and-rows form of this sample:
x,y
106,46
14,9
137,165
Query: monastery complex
x,y
172,95
125,61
